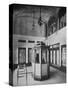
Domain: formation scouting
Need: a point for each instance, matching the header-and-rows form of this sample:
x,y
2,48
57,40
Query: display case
x,y
40,62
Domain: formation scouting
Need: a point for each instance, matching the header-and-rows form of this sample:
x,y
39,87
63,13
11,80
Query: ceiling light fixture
x,y
40,22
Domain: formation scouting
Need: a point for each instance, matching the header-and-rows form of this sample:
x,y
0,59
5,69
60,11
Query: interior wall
x,y
23,26
57,37
26,45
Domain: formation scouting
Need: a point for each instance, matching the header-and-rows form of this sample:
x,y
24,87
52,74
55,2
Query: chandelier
x,y
40,22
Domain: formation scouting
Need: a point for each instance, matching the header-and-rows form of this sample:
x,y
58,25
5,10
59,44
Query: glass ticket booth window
x,y
40,62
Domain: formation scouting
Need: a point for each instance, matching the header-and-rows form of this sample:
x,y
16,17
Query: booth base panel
x,y
42,78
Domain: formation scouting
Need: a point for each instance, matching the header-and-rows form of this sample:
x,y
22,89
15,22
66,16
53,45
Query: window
x,y
29,56
51,56
54,54
37,58
23,41
63,55
58,57
44,56
31,41
21,57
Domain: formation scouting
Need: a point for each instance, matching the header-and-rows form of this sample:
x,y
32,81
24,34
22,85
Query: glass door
x,y
21,57
22,69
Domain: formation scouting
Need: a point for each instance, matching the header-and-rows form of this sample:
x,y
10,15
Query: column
x,y
26,54
26,51
60,54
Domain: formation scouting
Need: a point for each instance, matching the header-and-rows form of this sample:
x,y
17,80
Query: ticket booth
x,y
40,62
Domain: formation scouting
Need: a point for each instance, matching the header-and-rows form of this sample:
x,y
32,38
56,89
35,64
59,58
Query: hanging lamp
x,y
40,22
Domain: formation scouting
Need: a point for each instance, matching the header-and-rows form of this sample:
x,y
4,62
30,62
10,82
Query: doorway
x,y
22,69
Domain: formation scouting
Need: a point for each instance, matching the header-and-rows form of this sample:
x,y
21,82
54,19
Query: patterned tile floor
x,y
56,77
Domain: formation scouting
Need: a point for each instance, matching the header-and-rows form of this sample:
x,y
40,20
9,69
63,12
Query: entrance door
x,y
21,57
21,75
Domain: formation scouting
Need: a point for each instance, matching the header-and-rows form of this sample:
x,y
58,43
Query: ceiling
x,y
30,11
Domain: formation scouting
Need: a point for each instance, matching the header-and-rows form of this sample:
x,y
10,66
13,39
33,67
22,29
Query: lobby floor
x,y
56,77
